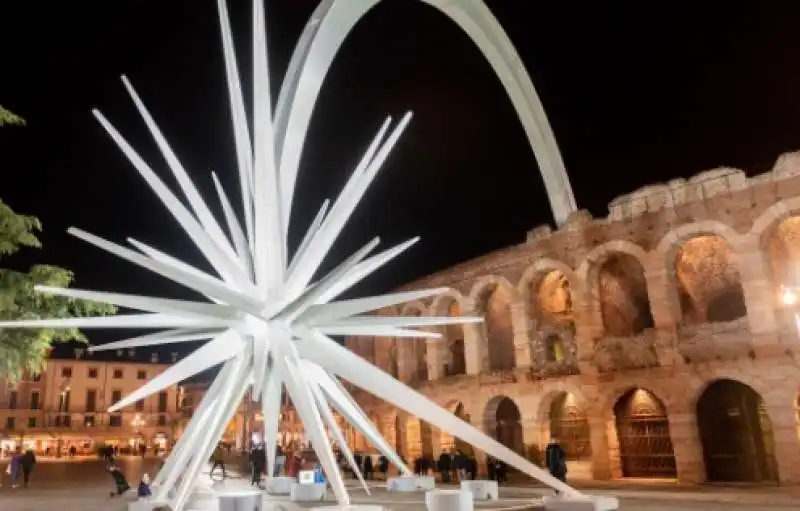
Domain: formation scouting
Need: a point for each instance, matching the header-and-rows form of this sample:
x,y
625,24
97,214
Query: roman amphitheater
x,y
659,342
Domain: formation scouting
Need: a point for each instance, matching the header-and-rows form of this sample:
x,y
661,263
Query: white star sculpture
x,y
267,322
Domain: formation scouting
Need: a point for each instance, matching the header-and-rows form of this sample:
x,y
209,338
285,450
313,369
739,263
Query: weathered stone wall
x,y
677,288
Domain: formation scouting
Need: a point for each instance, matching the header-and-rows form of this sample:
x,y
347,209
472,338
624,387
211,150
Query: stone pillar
x,y
783,416
759,290
600,428
434,355
474,341
523,353
661,292
406,369
531,432
588,326
686,445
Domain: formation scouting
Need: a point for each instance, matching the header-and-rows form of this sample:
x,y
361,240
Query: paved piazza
x,y
84,486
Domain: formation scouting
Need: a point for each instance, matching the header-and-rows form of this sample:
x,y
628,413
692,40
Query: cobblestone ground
x,y
84,486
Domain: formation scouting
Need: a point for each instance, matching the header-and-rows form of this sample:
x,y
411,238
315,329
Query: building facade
x,y
659,342
65,407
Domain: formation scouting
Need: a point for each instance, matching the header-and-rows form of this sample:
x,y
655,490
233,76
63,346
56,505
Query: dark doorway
x,y
508,430
569,425
736,434
645,447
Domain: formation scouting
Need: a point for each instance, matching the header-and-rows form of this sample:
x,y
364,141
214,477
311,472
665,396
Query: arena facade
x,y
659,342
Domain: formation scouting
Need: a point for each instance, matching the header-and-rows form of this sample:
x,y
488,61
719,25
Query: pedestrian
x,y
143,491
368,467
444,467
119,480
218,460
258,458
556,460
26,462
280,461
14,469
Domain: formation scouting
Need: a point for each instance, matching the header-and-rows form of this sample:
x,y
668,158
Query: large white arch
x,y
324,34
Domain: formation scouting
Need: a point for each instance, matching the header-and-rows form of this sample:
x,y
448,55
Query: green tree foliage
x,y
7,117
26,349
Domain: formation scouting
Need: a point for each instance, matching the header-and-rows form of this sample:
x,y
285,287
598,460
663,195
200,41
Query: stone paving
x,y
84,486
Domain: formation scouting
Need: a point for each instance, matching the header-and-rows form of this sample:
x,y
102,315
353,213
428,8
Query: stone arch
x,y
565,417
707,280
420,345
643,435
735,433
495,299
600,253
453,336
780,243
671,242
615,275
502,421
774,215
326,31
547,288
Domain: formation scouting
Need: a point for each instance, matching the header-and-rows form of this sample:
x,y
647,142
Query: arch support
x,y
325,33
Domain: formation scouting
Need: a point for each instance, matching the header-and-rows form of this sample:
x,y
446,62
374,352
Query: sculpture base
x,y
582,503
406,484
309,492
240,500
449,500
482,489
281,485
142,505
352,507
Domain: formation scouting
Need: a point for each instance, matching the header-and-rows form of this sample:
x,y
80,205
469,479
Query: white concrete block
x,y
449,500
240,500
352,507
281,485
582,503
309,492
407,484
482,489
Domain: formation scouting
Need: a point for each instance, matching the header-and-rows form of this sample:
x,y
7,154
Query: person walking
x,y
26,463
119,480
445,467
556,460
368,467
280,461
218,460
258,458
13,469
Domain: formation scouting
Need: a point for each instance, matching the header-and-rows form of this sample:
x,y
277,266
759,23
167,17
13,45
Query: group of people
x,y
452,466
20,465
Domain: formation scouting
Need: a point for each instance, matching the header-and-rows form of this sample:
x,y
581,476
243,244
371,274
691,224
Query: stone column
x,y
661,292
783,416
601,456
434,356
759,290
531,432
686,445
474,341
523,353
405,361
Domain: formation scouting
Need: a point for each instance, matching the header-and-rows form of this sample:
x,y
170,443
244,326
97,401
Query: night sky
x,y
635,94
